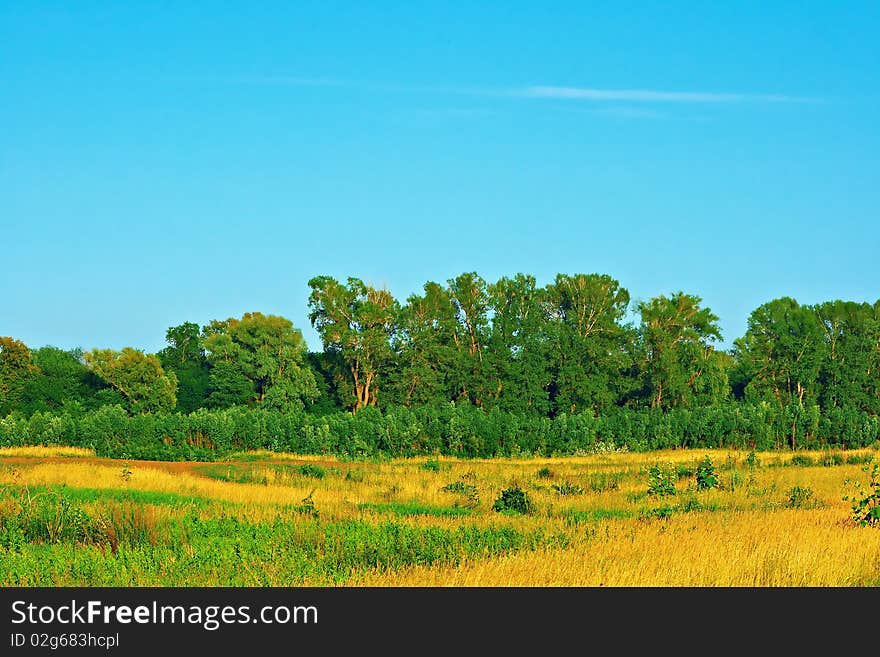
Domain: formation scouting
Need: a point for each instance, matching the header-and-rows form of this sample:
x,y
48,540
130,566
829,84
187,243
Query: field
x,y
669,518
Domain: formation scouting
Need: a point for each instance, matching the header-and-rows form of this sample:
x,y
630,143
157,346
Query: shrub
x,y
544,473
865,509
514,500
661,480
831,459
432,465
800,497
752,460
600,482
802,460
312,470
354,474
567,488
706,476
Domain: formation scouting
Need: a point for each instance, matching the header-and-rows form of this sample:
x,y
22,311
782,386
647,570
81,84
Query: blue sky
x,y
171,162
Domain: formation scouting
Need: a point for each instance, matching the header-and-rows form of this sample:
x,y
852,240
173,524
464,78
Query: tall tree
x,y
258,359
63,382
781,353
679,359
185,356
589,343
424,347
16,367
517,346
137,376
847,374
471,377
356,322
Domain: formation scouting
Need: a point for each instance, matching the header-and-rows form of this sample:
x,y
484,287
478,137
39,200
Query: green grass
x,y
111,494
192,551
415,509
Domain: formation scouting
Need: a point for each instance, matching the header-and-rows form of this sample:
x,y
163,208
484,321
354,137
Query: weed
x,y
312,470
567,488
800,497
865,509
544,473
600,482
661,480
706,476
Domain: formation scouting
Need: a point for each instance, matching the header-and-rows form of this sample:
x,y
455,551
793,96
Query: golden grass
x,y
782,548
45,452
746,534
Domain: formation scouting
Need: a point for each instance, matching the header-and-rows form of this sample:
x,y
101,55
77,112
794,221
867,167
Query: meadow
x,y
684,517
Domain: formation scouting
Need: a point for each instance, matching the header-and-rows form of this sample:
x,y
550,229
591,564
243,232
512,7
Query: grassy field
x,y
262,519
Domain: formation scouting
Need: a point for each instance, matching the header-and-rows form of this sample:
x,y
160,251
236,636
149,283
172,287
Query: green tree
x,y
517,346
258,359
847,373
62,383
16,367
471,377
781,353
185,356
356,322
137,376
679,362
590,346
424,348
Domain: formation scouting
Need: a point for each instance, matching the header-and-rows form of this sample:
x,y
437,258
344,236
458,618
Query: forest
x,y
466,367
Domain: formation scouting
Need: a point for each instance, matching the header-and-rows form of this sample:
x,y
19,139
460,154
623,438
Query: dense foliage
x,y
466,367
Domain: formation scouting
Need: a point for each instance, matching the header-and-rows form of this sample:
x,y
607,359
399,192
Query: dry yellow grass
x,y
742,534
45,452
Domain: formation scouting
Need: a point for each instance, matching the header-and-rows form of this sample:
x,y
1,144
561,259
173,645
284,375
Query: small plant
x,y
312,470
466,489
600,482
661,480
544,473
865,509
354,475
683,471
830,459
126,472
661,512
514,500
800,497
752,461
307,506
567,488
432,465
706,476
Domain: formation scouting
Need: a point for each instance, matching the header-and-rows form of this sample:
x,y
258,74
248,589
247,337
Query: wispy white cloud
x,y
588,94
650,95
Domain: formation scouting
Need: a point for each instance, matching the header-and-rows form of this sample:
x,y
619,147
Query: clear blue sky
x,y
189,161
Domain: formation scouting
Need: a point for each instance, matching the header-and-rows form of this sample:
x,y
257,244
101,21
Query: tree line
x,y
577,345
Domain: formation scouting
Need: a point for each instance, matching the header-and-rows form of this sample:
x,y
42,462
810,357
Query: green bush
x,y
312,470
865,509
514,500
705,474
661,480
800,497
